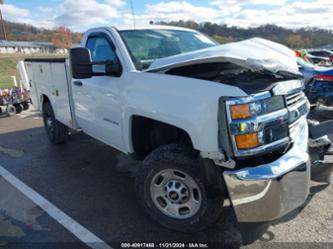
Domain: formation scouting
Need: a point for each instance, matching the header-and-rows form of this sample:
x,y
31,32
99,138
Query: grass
x,y
8,64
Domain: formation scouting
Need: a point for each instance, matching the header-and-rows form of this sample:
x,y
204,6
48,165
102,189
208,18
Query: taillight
x,y
323,77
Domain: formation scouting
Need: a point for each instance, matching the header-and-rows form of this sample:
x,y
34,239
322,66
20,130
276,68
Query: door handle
x,y
78,83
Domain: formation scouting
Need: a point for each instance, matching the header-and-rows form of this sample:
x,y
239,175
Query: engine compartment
x,y
249,81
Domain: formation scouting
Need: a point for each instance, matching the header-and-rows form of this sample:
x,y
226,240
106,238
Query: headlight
x,y
256,107
257,120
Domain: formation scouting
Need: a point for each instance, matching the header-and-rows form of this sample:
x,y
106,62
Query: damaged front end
x,y
254,65
265,134
273,174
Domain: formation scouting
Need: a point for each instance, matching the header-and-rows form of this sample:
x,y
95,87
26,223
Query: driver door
x,y
97,99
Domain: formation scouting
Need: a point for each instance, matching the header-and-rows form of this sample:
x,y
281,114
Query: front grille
x,y
294,98
296,104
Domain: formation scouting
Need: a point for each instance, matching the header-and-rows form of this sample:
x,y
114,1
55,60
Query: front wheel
x,y
56,131
171,189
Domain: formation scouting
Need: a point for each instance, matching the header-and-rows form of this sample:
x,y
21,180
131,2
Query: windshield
x,y
145,46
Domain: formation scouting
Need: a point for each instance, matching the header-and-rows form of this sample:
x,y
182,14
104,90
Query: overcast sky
x,y
80,15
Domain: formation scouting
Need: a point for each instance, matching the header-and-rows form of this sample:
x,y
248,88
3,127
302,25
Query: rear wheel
x,y
56,131
171,189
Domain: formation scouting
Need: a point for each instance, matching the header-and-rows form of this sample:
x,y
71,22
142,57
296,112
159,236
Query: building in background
x,y
27,47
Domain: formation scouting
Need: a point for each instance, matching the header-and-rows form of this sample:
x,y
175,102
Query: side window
x,y
101,51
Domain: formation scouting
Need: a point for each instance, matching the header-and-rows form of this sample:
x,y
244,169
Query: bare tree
x,y
2,22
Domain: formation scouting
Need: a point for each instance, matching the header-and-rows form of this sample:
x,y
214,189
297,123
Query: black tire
x,y
11,110
56,131
177,157
25,106
18,108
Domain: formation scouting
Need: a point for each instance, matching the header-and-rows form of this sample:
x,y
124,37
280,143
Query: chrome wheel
x,y
175,193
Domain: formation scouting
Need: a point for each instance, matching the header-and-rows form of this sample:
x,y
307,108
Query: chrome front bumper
x,y
267,192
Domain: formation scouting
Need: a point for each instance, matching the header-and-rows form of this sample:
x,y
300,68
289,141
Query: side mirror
x,y
80,61
113,68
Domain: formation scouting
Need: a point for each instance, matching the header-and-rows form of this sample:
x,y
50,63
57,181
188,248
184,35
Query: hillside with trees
x,y
61,37
294,38
300,38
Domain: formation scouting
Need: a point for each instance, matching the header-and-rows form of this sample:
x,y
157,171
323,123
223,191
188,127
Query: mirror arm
x,y
84,64
92,63
98,63
98,74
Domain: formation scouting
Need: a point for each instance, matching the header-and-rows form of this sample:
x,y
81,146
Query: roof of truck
x,y
150,26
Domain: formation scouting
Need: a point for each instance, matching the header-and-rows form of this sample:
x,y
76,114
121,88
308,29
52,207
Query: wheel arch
x,y
44,98
146,134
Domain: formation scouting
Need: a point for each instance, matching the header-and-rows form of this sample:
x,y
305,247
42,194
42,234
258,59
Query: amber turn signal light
x,y
240,111
247,141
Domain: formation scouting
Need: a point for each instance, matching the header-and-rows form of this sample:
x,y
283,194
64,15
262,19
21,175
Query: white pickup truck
x,y
210,122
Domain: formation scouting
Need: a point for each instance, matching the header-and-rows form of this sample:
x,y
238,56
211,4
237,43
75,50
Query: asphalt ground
x,y
93,184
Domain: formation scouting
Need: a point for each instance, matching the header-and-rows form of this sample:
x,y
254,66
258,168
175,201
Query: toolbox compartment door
x,y
50,77
32,86
60,93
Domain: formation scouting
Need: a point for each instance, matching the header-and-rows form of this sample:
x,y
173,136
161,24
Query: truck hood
x,y
255,54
